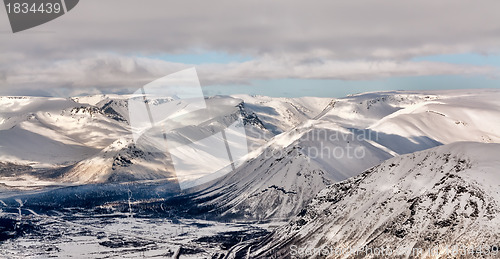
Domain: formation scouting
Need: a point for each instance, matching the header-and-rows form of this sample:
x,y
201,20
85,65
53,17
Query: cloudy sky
x,y
279,48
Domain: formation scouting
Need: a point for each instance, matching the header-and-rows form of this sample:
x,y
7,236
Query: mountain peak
x,y
442,196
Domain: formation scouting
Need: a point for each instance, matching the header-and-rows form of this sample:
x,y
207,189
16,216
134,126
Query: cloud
x,y
346,29
114,73
99,43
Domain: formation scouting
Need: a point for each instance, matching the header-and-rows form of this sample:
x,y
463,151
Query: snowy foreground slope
x,y
443,196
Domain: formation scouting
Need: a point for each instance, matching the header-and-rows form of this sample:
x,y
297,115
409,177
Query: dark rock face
x,y
107,109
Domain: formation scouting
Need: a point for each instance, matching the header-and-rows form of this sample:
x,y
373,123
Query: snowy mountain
x,y
281,114
454,116
264,188
341,141
48,132
122,161
288,172
443,196
363,110
125,160
79,136
309,157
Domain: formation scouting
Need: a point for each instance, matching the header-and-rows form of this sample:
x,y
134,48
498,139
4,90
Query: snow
x,y
118,237
360,111
404,200
281,114
121,161
52,132
414,177
26,182
56,132
454,117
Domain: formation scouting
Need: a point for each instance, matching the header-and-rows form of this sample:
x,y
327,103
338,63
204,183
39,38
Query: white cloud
x,y
287,38
113,72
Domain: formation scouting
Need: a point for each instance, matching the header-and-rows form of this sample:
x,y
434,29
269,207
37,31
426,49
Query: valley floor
x,y
77,234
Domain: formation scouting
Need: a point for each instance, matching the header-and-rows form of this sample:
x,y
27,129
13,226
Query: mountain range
x,y
384,169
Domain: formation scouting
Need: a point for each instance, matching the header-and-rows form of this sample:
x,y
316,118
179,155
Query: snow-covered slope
x,y
144,160
265,188
53,131
78,133
362,110
405,122
442,196
220,112
275,114
342,141
281,114
341,137
122,161
454,116
289,171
